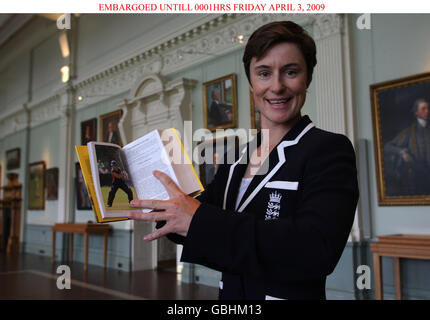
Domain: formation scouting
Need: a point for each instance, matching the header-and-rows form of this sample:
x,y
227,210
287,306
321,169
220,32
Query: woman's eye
x,y
263,74
291,73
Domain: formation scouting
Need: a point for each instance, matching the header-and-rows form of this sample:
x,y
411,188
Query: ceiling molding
x,y
12,25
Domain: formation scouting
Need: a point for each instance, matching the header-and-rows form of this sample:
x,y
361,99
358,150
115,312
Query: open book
x,y
114,176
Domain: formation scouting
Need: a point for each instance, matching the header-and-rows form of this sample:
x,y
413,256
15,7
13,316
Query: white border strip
x,y
212,6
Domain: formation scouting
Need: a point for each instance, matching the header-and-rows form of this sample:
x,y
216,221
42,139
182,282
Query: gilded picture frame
x,y
220,103
83,201
36,186
109,131
399,131
51,179
13,159
88,131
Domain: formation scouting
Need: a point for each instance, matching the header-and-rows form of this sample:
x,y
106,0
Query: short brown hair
x,y
271,34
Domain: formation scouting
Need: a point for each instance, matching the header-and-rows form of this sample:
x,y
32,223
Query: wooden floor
x,y
29,276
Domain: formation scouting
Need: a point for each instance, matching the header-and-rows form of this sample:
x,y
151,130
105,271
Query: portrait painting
x,y
220,103
213,152
88,131
109,131
255,113
83,201
51,180
13,158
36,186
400,110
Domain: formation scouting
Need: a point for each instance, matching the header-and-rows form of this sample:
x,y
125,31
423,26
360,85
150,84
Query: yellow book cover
x,y
84,161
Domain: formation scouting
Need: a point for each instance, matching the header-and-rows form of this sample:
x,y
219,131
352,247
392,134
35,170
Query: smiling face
x,y
279,83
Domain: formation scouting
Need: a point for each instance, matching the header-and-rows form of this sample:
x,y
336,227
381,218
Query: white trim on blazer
x,y
286,185
281,156
230,174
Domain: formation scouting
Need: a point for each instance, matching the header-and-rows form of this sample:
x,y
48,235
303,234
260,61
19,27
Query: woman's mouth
x,y
279,102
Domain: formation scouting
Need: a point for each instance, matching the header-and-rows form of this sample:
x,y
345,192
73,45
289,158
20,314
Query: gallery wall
x,y
396,46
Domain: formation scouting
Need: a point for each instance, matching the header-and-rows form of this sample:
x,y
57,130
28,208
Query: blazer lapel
x,y
237,170
276,160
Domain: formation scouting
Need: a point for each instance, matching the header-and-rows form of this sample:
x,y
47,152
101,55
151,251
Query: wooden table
x,y
398,246
86,229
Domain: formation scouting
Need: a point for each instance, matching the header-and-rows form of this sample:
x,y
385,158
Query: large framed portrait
x,y
13,159
36,186
83,201
88,131
213,152
255,114
220,103
109,127
51,180
401,129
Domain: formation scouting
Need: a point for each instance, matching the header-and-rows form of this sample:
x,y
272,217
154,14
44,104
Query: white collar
x,y
422,122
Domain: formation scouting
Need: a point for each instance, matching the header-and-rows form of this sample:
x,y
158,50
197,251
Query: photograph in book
x,y
115,184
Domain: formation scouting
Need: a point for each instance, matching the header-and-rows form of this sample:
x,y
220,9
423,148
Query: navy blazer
x,y
291,225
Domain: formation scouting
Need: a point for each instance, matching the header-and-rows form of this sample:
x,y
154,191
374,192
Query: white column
x,y
332,79
329,73
66,155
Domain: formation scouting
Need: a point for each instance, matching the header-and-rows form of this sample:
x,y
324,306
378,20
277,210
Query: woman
x,y
279,233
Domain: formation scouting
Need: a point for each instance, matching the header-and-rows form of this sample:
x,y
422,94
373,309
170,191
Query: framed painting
x,y
83,201
13,159
109,127
88,131
214,152
255,114
220,103
401,131
51,179
36,186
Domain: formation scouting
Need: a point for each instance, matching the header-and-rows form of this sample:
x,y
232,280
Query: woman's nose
x,y
277,85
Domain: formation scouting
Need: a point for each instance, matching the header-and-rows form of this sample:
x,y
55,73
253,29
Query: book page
x,y
145,155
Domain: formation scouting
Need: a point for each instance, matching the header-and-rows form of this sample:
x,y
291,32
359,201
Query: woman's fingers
x,y
150,216
170,185
158,233
150,204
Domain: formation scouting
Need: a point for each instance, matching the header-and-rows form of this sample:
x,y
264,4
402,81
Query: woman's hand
x,y
178,210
